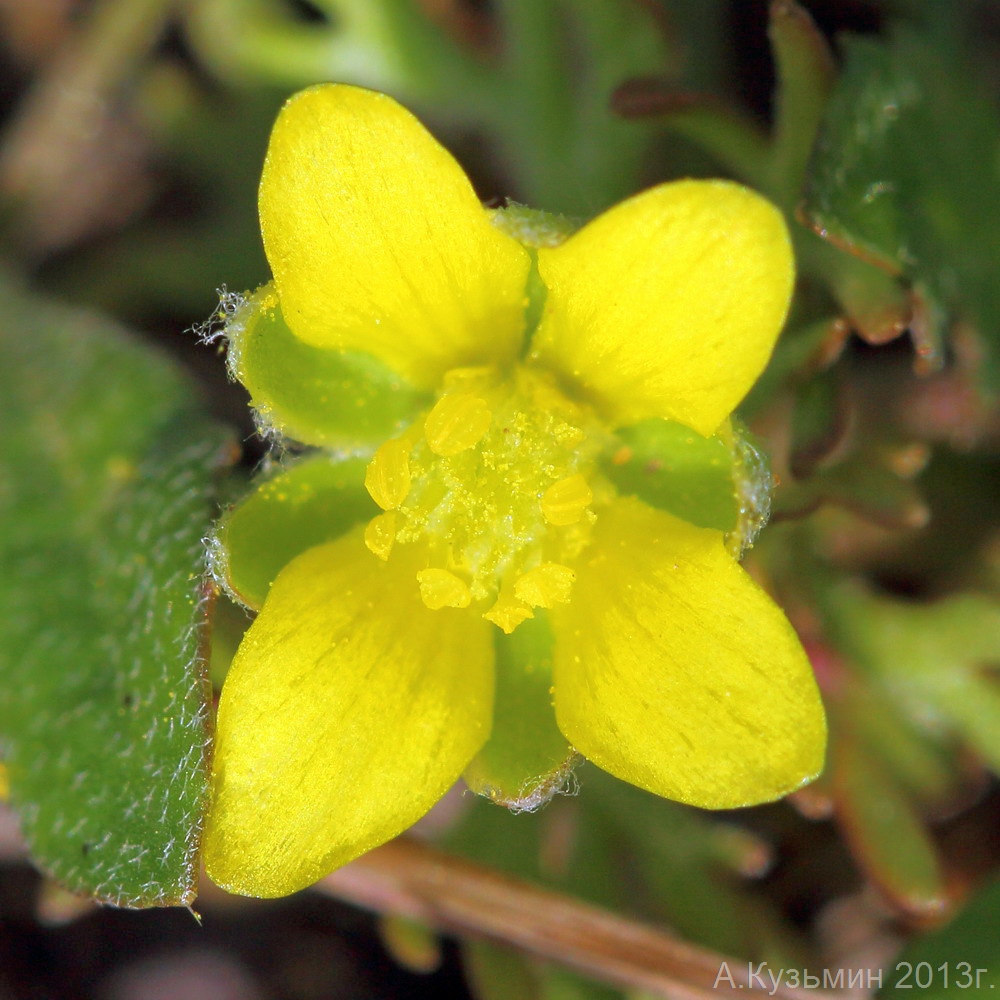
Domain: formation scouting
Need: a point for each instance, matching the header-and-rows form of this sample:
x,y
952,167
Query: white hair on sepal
x,y
225,319
539,791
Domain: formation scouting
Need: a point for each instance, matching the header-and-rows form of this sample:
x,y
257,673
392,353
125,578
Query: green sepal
x,y
532,227
526,759
328,398
670,467
308,504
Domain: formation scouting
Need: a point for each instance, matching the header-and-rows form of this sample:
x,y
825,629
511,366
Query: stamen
x,y
498,481
441,589
456,422
380,534
387,477
564,502
545,585
508,612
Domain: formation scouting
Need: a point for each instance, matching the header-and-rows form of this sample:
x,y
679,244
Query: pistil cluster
x,y
499,483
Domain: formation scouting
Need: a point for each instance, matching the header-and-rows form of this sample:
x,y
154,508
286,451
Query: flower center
x,y
499,482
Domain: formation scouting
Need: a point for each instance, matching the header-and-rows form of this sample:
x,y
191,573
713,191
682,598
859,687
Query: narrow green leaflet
x,y
885,830
906,173
106,473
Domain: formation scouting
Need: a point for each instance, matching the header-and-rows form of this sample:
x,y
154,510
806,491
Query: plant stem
x,y
410,879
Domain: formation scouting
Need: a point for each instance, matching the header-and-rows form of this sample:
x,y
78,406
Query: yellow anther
x,y
441,589
387,477
564,502
381,533
545,585
508,613
469,379
546,396
455,423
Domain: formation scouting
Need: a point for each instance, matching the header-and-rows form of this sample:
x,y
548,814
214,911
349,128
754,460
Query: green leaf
x,y
308,504
805,70
526,759
883,827
874,189
934,659
962,958
338,399
107,484
875,303
922,763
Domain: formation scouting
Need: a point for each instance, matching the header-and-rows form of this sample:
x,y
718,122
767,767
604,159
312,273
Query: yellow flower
x,y
500,588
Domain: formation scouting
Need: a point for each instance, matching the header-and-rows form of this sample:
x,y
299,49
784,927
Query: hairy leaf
x,y
105,495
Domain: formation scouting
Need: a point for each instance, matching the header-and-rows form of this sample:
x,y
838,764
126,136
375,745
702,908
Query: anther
x,y
508,612
455,423
380,534
441,589
564,502
387,477
545,585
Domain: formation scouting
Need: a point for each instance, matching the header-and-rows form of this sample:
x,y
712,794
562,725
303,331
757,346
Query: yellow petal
x,y
676,672
669,304
348,712
378,242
